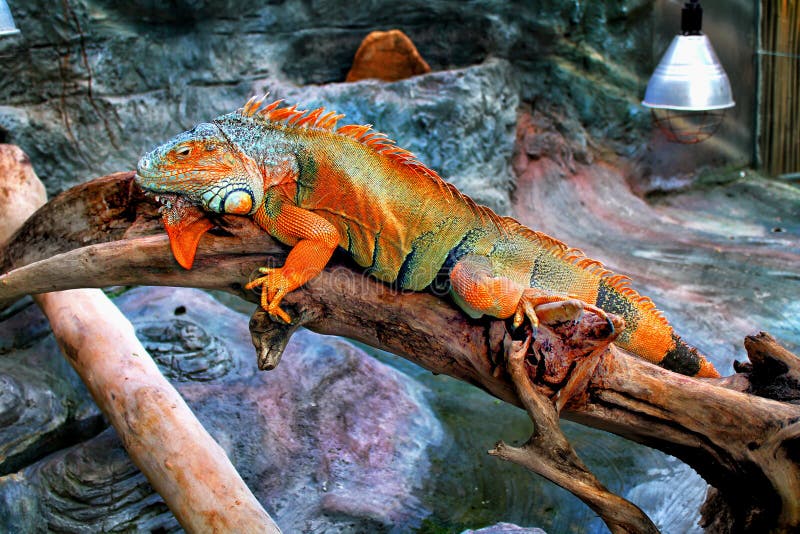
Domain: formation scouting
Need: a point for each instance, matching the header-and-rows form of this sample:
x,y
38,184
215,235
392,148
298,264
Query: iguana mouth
x,y
165,199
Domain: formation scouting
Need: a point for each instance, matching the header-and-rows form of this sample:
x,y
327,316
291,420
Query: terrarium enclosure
x,y
533,109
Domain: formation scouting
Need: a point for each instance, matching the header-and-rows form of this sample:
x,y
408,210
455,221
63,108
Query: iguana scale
x,y
316,187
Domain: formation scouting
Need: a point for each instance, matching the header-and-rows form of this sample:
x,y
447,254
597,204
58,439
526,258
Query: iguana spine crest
x,y
318,119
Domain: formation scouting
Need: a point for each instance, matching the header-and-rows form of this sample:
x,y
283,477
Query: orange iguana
x,y
316,187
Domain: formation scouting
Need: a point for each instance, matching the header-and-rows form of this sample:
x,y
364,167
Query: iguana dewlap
x,y
316,187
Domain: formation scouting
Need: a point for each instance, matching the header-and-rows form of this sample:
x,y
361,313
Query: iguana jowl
x,y
316,187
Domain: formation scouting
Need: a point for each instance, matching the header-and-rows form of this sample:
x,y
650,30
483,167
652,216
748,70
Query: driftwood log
x,y
747,446
164,439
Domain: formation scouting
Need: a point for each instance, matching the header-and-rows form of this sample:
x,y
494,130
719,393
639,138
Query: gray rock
x,y
505,528
671,497
191,336
331,440
91,487
92,84
43,404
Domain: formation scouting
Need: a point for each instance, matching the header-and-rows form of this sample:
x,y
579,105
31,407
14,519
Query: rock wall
x,y
92,84
304,437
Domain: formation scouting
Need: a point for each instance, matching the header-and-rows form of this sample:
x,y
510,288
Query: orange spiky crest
x,y
380,143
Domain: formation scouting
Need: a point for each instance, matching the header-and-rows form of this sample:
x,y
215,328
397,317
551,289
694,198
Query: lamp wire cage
x,y
687,127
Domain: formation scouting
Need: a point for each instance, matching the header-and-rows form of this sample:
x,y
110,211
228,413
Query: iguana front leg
x,y
313,238
478,289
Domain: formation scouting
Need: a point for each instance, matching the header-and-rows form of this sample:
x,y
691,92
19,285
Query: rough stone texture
x,y
92,84
348,437
675,509
43,404
388,56
720,260
92,487
505,528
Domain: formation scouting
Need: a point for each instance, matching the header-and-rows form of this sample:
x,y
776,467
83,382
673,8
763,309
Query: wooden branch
x,y
181,460
549,453
774,371
744,445
164,439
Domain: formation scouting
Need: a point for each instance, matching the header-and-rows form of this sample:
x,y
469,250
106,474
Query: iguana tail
x,y
647,333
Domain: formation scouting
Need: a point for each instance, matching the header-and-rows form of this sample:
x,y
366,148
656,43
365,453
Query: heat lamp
x,y
7,26
689,91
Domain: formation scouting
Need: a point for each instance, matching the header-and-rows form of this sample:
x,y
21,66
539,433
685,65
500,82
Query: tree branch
x,y
744,445
549,453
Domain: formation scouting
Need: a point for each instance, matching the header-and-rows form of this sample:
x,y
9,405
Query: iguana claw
x,y
525,308
274,286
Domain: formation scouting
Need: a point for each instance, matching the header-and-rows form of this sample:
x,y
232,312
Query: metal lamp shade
x,y
689,78
7,26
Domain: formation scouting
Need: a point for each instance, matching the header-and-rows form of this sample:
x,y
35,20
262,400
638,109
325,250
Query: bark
x,y
164,439
745,445
548,452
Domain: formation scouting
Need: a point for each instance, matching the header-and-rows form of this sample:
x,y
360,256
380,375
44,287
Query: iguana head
x,y
205,168
195,172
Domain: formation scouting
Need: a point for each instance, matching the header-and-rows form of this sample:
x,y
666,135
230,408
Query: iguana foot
x,y
274,286
534,305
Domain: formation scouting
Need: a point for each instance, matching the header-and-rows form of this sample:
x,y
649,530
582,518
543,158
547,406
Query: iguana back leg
x,y
478,290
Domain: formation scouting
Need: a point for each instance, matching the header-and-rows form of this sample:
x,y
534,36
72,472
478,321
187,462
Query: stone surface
x,y
43,404
388,56
671,495
721,260
330,440
93,84
505,528
91,487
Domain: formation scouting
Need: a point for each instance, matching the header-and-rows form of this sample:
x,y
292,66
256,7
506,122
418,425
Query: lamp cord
x,y
692,18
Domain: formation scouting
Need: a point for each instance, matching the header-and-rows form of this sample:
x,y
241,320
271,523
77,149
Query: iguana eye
x,y
183,151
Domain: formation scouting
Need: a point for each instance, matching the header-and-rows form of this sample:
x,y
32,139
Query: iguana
x,y
316,187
